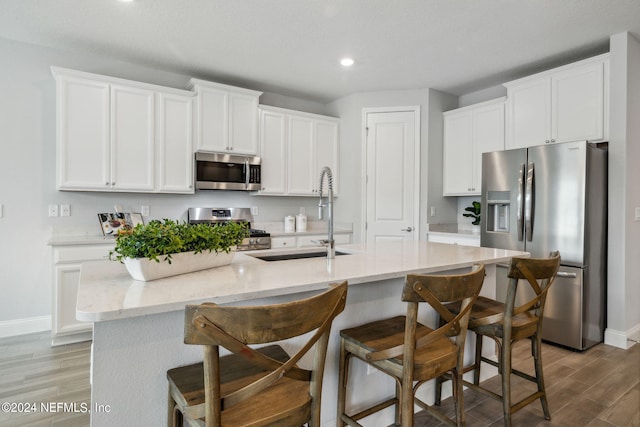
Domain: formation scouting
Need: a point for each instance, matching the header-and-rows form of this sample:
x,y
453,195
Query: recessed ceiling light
x,y
347,62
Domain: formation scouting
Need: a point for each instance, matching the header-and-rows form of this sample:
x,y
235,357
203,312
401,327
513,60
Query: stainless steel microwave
x,y
216,171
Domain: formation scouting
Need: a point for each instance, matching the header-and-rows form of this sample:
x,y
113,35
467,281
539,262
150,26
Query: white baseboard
x,y
622,339
11,328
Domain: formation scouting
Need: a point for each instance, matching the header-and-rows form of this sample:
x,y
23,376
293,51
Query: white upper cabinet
x,y
294,147
132,139
565,104
226,118
83,148
174,136
468,133
120,135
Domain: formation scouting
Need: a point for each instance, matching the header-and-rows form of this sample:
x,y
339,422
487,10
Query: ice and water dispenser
x,y
498,207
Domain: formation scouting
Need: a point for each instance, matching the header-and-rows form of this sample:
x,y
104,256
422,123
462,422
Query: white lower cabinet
x,y
67,262
306,240
454,239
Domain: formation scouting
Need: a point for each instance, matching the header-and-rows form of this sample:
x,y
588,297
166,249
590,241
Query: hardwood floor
x,y
596,388
33,372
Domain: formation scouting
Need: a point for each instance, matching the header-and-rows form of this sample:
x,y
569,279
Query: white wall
x,y
27,168
623,317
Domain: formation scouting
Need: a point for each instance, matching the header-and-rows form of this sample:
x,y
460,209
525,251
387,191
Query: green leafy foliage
x,y
159,239
474,213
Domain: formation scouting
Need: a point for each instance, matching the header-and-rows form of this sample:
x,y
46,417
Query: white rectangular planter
x,y
145,269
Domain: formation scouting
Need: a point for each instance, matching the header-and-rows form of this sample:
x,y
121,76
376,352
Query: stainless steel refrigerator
x,y
553,197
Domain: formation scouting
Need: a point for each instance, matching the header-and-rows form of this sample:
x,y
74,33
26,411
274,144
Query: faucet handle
x,y
321,242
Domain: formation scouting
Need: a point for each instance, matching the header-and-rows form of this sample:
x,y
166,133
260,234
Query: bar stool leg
x,y
478,360
343,375
536,342
506,380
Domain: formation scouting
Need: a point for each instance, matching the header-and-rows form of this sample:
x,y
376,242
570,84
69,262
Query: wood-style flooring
x,y
597,388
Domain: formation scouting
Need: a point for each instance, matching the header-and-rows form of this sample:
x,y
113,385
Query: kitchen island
x,y
138,326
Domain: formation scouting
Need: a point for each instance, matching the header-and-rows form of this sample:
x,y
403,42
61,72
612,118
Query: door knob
x,y
408,229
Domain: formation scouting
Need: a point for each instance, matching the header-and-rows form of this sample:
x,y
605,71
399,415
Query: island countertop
x,y
107,292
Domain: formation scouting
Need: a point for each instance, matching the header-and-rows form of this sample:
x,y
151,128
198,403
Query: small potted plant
x,y
474,212
168,248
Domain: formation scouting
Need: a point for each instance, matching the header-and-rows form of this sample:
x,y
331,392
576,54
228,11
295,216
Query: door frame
x,y
416,151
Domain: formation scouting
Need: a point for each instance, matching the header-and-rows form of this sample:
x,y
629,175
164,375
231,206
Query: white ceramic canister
x,y
301,222
289,224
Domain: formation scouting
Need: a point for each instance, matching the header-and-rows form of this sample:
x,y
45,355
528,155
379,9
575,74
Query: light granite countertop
x,y
107,292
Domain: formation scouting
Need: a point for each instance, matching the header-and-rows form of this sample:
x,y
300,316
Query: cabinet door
x,y
326,143
458,154
212,120
301,156
529,113
83,134
65,292
243,123
174,143
132,139
273,150
488,136
578,104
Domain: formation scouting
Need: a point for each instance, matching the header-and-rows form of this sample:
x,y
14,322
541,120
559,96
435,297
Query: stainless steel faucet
x,y
329,243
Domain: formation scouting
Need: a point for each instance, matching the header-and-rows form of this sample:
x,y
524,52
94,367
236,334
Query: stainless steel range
x,y
258,239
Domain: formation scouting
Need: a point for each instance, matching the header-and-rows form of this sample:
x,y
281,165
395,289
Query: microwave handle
x,y
246,173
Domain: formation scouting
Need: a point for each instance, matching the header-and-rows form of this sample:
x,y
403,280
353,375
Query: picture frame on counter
x,y
112,223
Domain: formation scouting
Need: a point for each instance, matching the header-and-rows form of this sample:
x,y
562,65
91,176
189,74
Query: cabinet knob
x,y
106,183
553,140
113,183
546,141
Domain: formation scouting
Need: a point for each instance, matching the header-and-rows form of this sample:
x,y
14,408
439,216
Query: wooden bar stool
x,y
507,323
411,352
254,387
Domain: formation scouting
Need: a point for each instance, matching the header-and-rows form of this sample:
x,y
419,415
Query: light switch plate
x,y
1,211
144,210
53,210
254,210
637,214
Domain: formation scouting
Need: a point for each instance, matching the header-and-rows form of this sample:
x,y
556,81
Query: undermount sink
x,y
295,255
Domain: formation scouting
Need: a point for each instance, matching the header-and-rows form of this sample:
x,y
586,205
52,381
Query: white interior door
x,y
392,187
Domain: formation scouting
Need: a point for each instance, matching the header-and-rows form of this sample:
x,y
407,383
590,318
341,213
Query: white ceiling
x,y
292,47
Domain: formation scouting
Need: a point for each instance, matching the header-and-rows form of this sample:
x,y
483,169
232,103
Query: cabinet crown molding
x,y
547,73
65,72
500,100
195,83
296,112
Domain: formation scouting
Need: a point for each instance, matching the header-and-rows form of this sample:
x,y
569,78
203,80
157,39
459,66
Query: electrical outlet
x,y
53,210
432,211
65,210
254,210
144,210
1,211
637,214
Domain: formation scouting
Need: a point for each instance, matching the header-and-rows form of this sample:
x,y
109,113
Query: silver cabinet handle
x,y
529,202
520,201
408,229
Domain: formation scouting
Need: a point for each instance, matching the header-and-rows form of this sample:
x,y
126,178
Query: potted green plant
x,y
167,248
473,212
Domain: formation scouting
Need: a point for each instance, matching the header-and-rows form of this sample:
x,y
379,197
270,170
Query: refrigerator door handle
x,y
529,202
519,207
